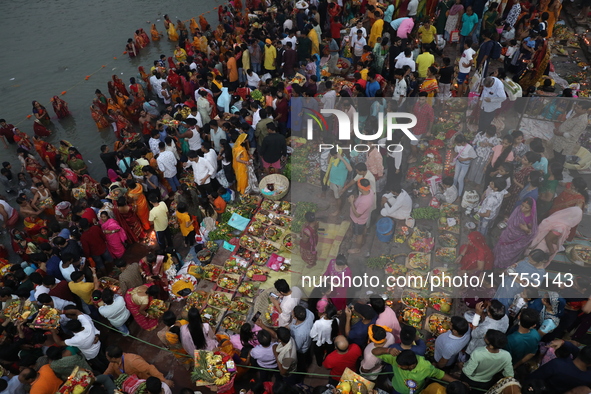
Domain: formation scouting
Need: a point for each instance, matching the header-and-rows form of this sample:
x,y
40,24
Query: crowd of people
x,y
206,122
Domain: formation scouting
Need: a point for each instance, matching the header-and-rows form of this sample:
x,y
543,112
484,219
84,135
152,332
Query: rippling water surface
x,y
50,46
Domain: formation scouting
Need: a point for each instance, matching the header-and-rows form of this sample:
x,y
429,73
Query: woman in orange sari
x,y
112,106
119,85
145,76
122,103
430,85
60,107
128,220
193,26
553,10
136,197
240,162
145,37
138,39
203,22
47,152
154,33
170,337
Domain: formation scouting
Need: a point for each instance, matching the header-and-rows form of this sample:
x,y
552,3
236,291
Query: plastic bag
x,y
470,199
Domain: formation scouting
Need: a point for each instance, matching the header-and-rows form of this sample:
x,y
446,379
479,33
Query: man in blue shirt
x,y
372,85
300,332
523,343
357,333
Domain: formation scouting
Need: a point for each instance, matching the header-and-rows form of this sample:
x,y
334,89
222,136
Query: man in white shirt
x,y
197,116
252,79
290,38
288,25
412,7
53,302
167,164
330,96
210,155
449,344
290,298
405,59
86,336
68,265
358,42
400,87
192,134
154,142
202,171
358,26
397,204
465,65
216,135
493,94
156,82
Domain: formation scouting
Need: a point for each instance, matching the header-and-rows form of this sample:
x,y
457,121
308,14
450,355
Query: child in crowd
x,y
185,224
537,145
219,204
448,192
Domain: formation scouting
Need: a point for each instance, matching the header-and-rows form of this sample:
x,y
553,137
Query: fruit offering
x,y
244,253
79,381
440,302
219,300
240,306
413,316
452,226
421,241
448,241
395,269
228,281
446,255
182,286
18,311
233,322
249,243
438,324
419,261
256,229
209,315
283,221
449,209
212,272
204,255
255,271
109,283
414,299
261,258
156,308
47,318
401,234
273,233
236,265
268,247
288,243
196,299
262,218
249,289
271,316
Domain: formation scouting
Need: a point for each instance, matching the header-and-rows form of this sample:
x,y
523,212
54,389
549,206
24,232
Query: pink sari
x,y
115,241
560,223
339,294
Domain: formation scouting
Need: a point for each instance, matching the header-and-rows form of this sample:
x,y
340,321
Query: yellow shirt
x,y
424,61
364,73
184,219
376,31
159,215
270,56
427,35
83,290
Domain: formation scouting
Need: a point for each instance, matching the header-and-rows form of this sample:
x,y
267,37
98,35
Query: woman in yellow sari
x,y
193,25
136,197
430,84
154,33
172,34
553,10
240,160
169,336
203,44
315,43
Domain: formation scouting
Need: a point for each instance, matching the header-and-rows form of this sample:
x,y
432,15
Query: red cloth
x,y
476,250
335,30
337,363
62,290
89,215
425,115
94,242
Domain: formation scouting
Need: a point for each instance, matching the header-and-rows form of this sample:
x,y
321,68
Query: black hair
x,y
460,325
283,334
408,334
499,184
282,286
44,298
196,328
496,338
539,256
76,276
74,325
153,385
457,387
406,358
460,139
448,180
378,304
528,317
496,309
532,157
114,351
580,186
107,296
264,338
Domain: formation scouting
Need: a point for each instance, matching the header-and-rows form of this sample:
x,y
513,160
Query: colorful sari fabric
x,y
98,117
116,240
33,168
154,33
476,250
514,190
144,37
172,33
130,223
567,199
47,152
134,301
203,22
560,223
308,247
193,25
119,85
92,187
77,164
513,240
173,343
537,68
41,114
315,43
40,130
60,107
240,169
430,86
339,294
63,150
141,203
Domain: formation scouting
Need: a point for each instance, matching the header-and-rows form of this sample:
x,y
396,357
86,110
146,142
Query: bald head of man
x,y
341,343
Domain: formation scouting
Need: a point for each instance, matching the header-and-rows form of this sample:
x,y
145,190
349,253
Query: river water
x,y
51,46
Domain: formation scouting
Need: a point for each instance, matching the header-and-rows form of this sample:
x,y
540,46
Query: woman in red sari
x,y
138,300
40,130
153,267
41,113
119,85
136,90
475,255
33,168
98,116
203,22
60,107
575,195
128,219
47,152
309,240
174,80
145,37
